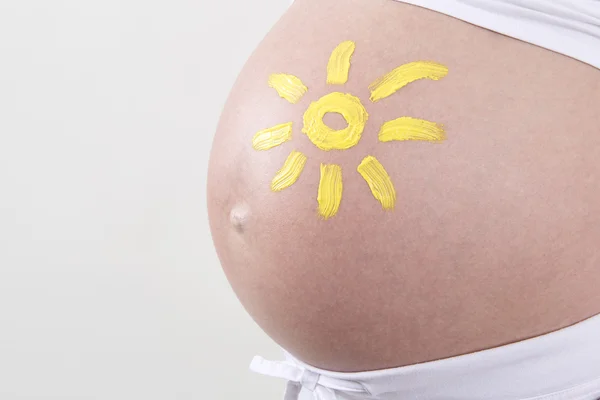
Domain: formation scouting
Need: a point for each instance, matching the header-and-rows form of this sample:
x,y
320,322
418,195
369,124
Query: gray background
x,y
109,284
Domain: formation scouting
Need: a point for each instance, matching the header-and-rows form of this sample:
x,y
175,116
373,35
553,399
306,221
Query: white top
x,y
569,27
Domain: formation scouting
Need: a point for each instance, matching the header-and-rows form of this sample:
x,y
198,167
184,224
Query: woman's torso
x,y
494,235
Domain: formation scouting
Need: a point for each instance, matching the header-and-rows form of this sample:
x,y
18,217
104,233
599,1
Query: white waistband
x,y
569,27
561,365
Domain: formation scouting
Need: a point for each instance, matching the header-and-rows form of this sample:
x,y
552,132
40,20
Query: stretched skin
x,y
495,233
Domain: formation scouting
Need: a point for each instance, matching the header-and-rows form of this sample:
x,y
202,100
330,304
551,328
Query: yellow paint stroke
x,y
326,138
290,172
403,75
330,190
379,181
407,128
338,67
288,86
271,137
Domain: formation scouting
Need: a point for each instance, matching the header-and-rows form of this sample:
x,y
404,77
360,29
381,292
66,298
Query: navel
x,y
238,217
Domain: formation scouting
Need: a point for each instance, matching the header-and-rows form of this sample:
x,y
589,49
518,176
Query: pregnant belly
x,y
492,233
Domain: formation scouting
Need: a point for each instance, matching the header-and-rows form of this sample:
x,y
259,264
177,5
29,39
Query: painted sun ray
x,y
272,137
329,196
290,172
330,188
338,67
407,128
403,75
288,86
379,181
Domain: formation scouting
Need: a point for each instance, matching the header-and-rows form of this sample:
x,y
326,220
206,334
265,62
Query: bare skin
x,y
495,235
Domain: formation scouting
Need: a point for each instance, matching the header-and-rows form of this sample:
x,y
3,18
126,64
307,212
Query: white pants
x,y
560,365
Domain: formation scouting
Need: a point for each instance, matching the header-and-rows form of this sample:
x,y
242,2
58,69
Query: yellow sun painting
x,y
330,189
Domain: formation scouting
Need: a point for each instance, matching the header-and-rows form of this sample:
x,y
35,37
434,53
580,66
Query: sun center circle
x,y
326,138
